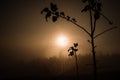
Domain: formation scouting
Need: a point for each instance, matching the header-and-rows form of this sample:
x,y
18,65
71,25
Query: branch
x,y
81,28
94,28
57,14
110,22
91,19
99,34
76,25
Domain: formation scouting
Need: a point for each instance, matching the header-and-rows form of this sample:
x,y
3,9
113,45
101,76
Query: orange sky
x,y
22,26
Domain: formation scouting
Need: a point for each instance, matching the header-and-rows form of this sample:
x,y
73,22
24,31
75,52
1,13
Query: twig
x,y
99,34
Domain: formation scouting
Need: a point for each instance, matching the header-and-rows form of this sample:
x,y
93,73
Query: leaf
x,y
97,15
76,50
75,44
45,10
74,20
72,48
69,49
68,18
62,13
53,7
54,18
89,41
86,8
57,13
47,15
71,53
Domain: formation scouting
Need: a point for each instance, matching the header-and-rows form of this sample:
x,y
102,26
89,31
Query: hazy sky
x,y
23,28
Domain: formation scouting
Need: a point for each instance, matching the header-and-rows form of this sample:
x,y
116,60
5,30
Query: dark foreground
x,y
105,76
108,68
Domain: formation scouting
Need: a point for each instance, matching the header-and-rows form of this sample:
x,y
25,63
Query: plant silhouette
x,y
72,52
94,8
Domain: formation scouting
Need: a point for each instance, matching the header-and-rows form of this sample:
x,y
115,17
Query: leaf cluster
x,y
73,49
55,14
94,5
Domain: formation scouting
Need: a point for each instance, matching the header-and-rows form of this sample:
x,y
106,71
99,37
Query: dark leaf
x,y
97,15
74,20
68,18
42,12
62,13
75,44
86,8
89,41
69,49
71,53
54,18
57,13
53,7
72,48
76,50
45,10
47,15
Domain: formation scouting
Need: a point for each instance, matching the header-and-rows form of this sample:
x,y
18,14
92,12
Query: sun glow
x,y
62,40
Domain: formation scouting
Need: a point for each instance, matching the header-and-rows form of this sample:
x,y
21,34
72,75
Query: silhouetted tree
x,y
72,52
94,9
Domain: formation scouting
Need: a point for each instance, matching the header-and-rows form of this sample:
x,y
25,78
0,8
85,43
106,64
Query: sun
x,y
62,40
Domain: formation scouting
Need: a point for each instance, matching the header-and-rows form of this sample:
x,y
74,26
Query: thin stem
x,y
77,25
99,34
81,28
92,43
77,70
94,26
106,18
94,59
91,18
85,30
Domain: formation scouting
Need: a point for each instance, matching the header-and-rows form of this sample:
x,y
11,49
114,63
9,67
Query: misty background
x,y
27,40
